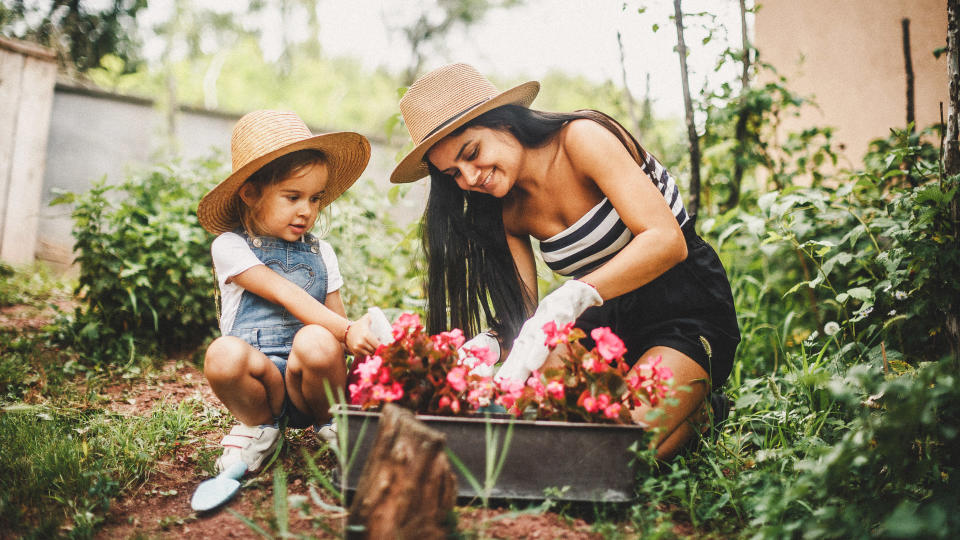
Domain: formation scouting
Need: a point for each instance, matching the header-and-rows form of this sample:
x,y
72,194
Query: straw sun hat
x,y
263,136
443,100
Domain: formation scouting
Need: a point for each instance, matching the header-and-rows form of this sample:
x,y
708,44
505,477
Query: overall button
x,y
257,242
314,249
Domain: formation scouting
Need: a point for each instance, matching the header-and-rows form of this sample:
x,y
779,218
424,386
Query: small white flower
x,y
868,311
831,328
892,312
900,295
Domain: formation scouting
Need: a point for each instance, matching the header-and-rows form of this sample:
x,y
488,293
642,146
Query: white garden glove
x,y
562,306
380,326
483,339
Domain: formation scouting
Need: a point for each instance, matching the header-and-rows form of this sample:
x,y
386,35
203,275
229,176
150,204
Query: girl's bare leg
x,y
317,356
245,380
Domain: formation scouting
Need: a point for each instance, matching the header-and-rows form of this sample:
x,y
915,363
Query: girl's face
x,y
479,159
289,208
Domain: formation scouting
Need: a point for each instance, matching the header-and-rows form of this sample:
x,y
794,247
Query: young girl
x,y
604,212
282,318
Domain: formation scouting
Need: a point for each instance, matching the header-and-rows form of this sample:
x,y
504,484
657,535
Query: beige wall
x,y
848,54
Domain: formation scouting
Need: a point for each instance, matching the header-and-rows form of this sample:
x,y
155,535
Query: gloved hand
x,y
562,306
380,326
476,365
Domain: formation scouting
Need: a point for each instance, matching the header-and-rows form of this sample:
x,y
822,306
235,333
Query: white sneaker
x,y
327,432
248,444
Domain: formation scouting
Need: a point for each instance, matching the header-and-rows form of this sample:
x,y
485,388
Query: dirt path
x,y
161,507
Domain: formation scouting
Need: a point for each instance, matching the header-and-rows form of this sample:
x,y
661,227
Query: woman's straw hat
x,y
263,136
443,100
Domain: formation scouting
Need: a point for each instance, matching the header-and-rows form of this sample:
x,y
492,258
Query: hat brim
x,y
346,156
413,167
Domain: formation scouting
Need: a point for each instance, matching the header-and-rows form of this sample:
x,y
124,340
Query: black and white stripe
x,y
600,234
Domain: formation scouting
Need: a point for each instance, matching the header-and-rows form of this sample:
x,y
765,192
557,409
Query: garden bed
x,y
560,460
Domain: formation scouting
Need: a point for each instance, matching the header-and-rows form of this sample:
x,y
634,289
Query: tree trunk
x,y
694,207
631,110
742,116
908,67
951,148
407,489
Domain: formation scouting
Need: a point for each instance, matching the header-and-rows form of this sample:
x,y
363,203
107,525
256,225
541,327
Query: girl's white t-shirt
x,y
232,256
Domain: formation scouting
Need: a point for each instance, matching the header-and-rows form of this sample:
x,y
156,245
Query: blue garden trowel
x,y
219,489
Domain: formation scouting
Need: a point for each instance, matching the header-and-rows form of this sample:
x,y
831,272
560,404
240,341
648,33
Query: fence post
x,y
27,76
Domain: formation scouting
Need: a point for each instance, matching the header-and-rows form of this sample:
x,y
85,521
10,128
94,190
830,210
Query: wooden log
x,y
407,488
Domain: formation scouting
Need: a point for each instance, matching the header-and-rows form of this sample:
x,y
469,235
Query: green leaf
x,y
861,293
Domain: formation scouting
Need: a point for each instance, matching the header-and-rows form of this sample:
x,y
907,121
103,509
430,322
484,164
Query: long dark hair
x,y
470,270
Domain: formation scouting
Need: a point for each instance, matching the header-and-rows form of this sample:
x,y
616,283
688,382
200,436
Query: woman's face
x,y
479,159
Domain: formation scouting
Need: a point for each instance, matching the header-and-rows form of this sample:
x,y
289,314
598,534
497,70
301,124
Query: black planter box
x,y
581,461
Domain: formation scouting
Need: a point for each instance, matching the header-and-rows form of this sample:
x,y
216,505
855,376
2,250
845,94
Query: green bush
x,y
871,264
146,281
377,257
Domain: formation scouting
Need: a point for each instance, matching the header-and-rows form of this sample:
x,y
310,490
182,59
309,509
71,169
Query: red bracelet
x,y
347,331
590,284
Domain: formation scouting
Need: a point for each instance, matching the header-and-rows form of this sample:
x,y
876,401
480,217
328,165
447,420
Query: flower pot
x,y
581,461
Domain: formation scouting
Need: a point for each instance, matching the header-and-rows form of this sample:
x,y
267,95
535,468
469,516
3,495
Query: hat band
x,y
447,122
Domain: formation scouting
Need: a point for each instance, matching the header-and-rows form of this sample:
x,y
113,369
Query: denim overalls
x,y
269,327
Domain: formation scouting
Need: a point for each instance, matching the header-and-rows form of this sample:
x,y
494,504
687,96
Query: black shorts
x,y
689,308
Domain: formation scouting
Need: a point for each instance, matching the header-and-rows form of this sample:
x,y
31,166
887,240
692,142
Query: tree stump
x,y
406,489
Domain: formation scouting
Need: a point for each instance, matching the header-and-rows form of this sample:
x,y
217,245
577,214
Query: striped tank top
x,y
600,234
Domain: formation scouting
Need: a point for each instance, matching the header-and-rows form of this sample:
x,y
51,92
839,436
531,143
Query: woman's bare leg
x,y
682,420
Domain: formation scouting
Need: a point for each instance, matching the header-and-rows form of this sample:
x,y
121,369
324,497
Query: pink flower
x,y
536,384
602,401
609,345
556,336
612,410
457,377
481,393
484,355
593,364
453,338
555,389
387,393
510,392
368,369
447,403
406,321
588,402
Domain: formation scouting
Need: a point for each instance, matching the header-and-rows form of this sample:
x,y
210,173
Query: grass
x,y
33,284
79,461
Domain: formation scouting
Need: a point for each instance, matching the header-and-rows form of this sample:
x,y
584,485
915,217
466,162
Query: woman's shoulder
x,y
584,133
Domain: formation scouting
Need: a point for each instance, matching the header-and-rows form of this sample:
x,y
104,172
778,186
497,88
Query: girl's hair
x,y
272,173
469,266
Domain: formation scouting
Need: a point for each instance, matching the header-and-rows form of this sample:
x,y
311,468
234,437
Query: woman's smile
x,y
479,159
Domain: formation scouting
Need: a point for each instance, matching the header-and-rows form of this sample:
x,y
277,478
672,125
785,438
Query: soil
x,y
160,507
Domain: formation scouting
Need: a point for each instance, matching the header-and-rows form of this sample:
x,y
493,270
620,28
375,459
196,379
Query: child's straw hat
x,y
443,100
263,136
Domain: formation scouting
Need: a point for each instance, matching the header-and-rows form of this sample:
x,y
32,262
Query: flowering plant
x,y
430,374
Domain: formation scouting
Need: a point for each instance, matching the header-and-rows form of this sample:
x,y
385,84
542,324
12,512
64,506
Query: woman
x,y
603,210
